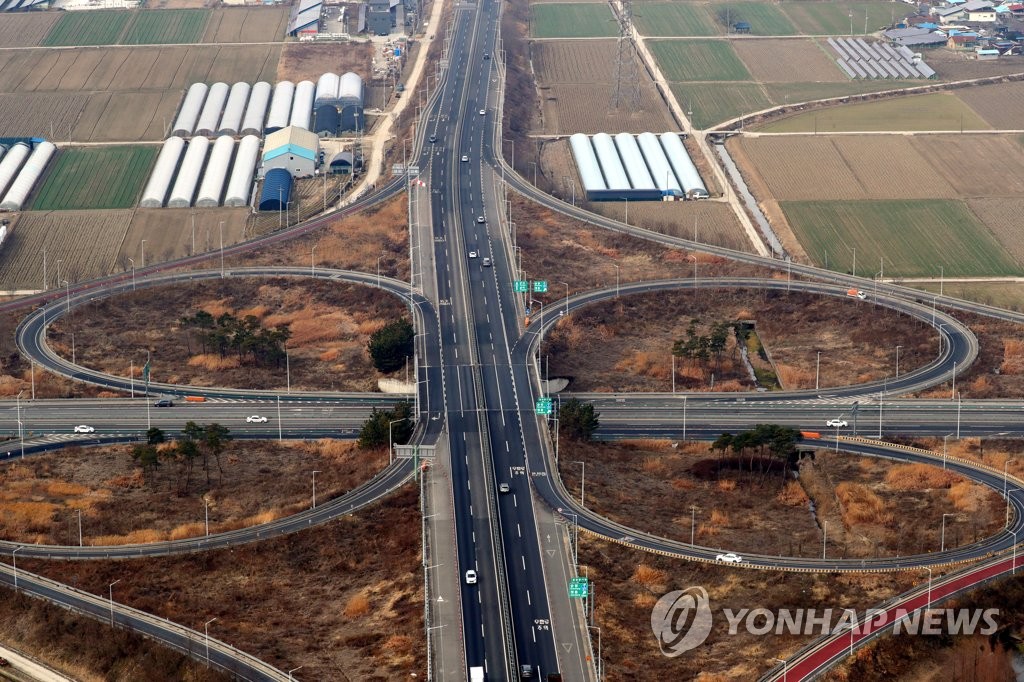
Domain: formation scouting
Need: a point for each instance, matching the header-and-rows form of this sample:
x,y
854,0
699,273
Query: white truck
x,y
476,674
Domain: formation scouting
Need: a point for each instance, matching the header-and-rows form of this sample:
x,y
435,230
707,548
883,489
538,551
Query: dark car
x,y
164,403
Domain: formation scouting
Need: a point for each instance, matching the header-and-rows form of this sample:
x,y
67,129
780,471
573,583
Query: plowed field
x,y
43,115
586,109
998,104
773,61
26,30
85,241
246,25
1002,216
574,61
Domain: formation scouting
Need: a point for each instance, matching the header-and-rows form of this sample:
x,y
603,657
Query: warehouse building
x,y
292,149
277,190
304,19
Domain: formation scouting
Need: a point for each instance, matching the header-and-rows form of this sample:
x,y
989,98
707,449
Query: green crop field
x,y
698,60
792,93
915,237
764,19
95,177
673,19
572,20
712,103
161,27
935,111
833,18
88,28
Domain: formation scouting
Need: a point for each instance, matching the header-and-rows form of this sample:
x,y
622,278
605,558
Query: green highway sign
x,y
578,588
544,406
520,286
540,286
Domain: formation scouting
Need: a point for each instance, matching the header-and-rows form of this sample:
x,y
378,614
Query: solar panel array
x,y
11,5
861,59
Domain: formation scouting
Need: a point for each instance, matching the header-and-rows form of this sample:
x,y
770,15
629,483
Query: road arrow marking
x,y
567,646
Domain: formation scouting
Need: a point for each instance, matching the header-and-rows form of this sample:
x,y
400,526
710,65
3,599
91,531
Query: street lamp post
x,y
314,488
111,599
1013,565
221,228
143,253
312,261
21,430
583,476
898,361
600,666
616,280
206,627
817,371
684,417
14,560
945,440
942,544
959,404
79,527
391,440
566,297
280,425
68,287
824,537
207,504
929,569
132,261
693,523
378,269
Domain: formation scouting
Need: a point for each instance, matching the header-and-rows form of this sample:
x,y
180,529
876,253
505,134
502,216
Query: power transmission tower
x,y
626,91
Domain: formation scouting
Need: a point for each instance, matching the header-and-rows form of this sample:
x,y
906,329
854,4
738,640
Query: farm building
x,y
212,187
188,174
302,106
342,162
327,120
210,115
378,17
351,118
240,184
292,149
304,19
350,89
256,111
11,162
191,107
155,193
280,106
277,190
231,121
27,177
643,168
327,89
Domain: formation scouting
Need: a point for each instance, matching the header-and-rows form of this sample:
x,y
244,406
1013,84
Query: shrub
x,y
391,345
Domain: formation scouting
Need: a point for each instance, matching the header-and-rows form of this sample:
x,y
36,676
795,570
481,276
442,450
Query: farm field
x,y
572,20
34,114
569,108
166,27
764,19
774,60
833,18
966,161
127,116
698,60
805,92
307,61
26,30
999,104
574,61
914,237
711,103
933,111
246,25
1009,295
674,19
1002,215
135,68
95,177
88,28
85,241
848,167
168,232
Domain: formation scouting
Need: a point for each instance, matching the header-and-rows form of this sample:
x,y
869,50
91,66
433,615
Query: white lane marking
x,y
528,599
515,502
506,447
519,531
524,562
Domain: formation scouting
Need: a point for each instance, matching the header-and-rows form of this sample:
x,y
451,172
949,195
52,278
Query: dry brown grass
x,y
214,363
860,505
1013,357
967,496
651,578
358,605
918,476
793,495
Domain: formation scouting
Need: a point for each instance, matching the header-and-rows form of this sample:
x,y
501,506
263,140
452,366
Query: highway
x,y
506,615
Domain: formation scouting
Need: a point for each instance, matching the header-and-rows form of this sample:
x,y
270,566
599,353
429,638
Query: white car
x,y
84,428
861,295
471,577
729,558
504,487
487,262
256,419
837,423
481,219
483,112
465,158
473,254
